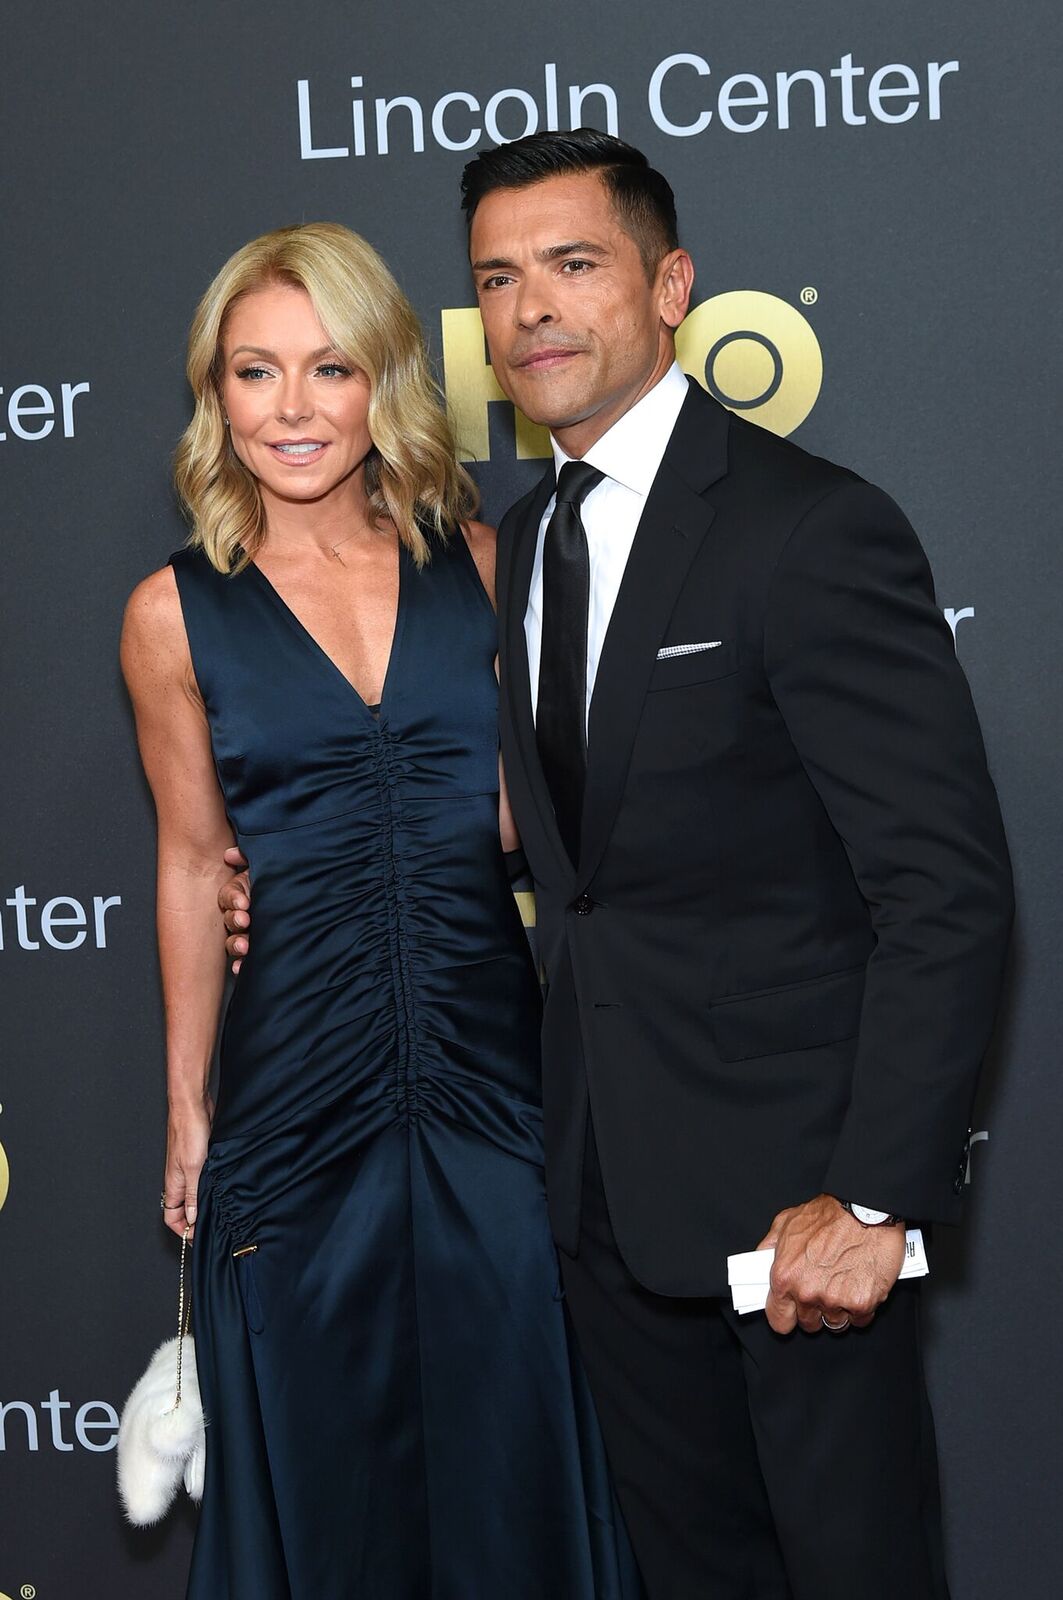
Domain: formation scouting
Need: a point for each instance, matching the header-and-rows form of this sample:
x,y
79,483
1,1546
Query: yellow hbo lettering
x,y
5,1179
471,385
754,352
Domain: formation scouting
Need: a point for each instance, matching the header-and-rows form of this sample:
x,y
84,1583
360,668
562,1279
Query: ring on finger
x,y
170,1205
834,1327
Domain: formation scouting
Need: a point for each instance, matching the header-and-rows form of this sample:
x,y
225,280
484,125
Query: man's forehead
x,y
571,206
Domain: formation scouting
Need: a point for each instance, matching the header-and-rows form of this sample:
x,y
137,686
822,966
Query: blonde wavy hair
x,y
412,473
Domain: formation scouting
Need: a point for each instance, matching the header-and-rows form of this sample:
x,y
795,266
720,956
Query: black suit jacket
x,y
774,970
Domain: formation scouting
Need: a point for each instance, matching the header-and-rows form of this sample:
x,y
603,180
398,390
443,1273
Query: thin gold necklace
x,y
335,548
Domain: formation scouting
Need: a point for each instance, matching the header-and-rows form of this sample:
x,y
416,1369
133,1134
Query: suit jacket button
x,y
583,906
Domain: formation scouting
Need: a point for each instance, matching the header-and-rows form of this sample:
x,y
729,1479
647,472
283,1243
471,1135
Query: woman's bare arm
x,y
193,832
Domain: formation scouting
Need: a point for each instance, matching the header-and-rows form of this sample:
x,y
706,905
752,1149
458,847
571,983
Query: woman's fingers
x,y
179,1223
186,1151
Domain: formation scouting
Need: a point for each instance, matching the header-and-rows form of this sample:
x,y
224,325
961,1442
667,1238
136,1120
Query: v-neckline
x,y
319,650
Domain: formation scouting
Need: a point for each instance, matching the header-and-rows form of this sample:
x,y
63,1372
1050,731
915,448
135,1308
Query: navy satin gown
x,y
394,1410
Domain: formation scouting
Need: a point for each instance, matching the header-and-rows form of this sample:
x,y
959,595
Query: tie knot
x,y
575,482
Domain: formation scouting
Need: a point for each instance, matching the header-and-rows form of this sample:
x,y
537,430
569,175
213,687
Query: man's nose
x,y
535,304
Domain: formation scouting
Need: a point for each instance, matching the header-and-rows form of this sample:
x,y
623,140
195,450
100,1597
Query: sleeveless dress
x,y
394,1409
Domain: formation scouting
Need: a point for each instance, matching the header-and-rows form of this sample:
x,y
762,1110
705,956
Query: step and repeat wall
x,y
866,195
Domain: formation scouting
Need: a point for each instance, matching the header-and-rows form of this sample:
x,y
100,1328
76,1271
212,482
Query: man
x,y
773,902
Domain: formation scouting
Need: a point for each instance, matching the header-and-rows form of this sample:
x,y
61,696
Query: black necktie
x,y
561,712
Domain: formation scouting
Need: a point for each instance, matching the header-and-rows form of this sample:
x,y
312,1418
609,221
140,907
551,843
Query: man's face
x,y
576,329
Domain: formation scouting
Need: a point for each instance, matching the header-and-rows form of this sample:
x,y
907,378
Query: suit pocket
x,y
701,666
798,1016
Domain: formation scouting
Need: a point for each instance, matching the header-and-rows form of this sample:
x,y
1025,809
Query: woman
x,y
393,1410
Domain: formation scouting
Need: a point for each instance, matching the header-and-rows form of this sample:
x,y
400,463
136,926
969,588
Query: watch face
x,y
869,1217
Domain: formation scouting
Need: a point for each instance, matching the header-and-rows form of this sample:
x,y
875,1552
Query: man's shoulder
x,y
747,466
781,465
770,487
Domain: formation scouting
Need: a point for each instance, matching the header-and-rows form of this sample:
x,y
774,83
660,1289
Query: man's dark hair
x,y
642,198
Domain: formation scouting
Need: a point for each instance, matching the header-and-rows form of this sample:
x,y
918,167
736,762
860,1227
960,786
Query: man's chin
x,y
554,408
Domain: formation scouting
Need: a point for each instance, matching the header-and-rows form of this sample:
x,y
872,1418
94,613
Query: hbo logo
x,y
757,354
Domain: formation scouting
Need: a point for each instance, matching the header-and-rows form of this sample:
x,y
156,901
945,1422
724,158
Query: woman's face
x,y
298,411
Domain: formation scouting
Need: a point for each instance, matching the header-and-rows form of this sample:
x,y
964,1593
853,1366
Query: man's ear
x,y
675,283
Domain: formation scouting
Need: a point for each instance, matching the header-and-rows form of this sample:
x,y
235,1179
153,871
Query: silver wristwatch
x,y
867,1216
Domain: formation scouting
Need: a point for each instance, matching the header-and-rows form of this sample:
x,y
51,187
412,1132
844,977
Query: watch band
x,y
867,1216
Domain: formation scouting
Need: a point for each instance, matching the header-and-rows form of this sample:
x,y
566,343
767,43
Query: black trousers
x,y
751,1466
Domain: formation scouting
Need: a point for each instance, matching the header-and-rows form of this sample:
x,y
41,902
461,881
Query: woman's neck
x,y
293,526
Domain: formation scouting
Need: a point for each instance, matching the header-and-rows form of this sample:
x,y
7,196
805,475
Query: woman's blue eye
x,y
335,367
252,372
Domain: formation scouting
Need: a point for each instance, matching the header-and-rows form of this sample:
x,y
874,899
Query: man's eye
x,y
575,267
496,281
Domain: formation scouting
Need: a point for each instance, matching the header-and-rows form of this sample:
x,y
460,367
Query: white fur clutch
x,y
162,1434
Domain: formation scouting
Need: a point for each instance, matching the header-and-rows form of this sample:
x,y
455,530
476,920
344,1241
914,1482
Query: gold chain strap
x,y
184,1313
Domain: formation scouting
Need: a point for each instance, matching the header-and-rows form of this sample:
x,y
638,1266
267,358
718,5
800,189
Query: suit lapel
x,y
670,533
513,604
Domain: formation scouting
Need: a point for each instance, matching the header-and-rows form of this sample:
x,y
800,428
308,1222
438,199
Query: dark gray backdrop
x,y
144,143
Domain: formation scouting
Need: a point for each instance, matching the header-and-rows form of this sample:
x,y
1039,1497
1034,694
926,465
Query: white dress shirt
x,y
629,454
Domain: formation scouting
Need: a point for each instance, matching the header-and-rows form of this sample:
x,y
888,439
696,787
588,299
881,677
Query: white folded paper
x,y
749,1274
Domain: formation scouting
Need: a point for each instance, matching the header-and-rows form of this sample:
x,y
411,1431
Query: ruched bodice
x,y
364,836
393,1408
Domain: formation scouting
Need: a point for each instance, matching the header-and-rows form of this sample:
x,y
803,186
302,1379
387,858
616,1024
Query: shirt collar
x,y
631,451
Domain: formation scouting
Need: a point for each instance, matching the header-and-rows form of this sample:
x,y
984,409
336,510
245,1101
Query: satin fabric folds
x,y
394,1411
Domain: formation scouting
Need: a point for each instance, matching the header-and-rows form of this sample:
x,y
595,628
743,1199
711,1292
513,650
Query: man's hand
x,y
234,900
829,1268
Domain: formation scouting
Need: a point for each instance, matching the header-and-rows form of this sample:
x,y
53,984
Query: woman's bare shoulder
x,y
155,602
153,629
481,537
479,534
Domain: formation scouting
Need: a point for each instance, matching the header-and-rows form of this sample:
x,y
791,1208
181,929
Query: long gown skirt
x,y
395,1410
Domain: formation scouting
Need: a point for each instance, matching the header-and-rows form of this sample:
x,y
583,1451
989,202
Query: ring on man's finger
x,y
170,1205
834,1327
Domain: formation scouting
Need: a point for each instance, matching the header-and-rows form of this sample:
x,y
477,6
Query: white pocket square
x,y
669,650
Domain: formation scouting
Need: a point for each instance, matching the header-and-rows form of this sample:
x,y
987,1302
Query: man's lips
x,y
544,357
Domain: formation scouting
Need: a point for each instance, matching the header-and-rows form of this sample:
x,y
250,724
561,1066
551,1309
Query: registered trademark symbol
x,y
809,296
28,1592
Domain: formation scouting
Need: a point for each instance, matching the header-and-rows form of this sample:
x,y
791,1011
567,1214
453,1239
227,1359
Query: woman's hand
x,y
187,1137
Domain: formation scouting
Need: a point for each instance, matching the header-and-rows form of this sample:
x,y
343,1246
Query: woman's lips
x,y
299,453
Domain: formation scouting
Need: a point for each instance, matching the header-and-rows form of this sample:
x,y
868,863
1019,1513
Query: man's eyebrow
x,y
575,247
551,252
